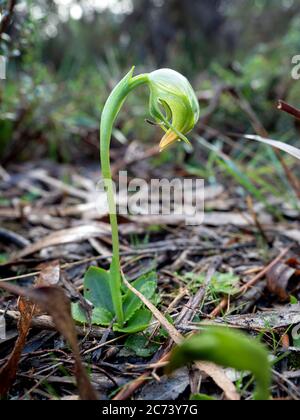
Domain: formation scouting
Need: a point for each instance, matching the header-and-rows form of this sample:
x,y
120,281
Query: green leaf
x,y
100,316
139,322
294,300
146,285
97,288
296,343
221,283
230,349
140,345
96,291
3,258
201,397
78,313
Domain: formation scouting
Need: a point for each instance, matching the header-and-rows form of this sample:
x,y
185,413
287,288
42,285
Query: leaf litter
x,y
63,226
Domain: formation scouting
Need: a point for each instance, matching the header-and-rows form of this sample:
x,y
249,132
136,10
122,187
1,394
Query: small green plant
x,y
201,397
229,349
141,345
221,283
173,106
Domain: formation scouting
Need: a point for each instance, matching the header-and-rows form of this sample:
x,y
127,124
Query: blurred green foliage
x,y
221,283
64,58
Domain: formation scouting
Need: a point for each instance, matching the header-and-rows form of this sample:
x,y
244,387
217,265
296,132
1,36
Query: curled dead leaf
x,y
49,274
279,280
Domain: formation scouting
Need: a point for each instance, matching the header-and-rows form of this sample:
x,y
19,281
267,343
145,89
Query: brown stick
x,y
260,275
7,16
289,109
218,309
45,322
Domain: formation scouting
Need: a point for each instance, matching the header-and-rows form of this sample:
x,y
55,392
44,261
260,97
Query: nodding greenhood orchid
x,y
173,104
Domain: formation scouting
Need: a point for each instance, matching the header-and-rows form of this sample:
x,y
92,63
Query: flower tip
x,y
169,138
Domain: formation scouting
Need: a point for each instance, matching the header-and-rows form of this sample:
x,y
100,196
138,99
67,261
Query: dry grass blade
x,y
53,300
174,334
218,375
291,150
41,176
76,234
215,372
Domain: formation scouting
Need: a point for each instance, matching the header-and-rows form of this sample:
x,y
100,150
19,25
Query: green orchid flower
x,y
173,104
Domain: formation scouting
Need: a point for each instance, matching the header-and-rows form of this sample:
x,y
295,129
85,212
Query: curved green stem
x,y
109,115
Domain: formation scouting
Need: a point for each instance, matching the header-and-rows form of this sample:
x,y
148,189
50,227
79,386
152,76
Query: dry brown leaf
x,y
220,378
49,274
278,280
9,371
53,300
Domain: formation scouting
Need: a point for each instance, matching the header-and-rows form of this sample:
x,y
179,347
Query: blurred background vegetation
x,y
64,56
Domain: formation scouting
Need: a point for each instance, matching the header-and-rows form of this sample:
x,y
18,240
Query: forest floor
x,y
240,268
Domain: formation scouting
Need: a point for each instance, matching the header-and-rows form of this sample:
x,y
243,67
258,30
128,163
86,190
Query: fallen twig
x,y
260,275
44,322
289,109
7,16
